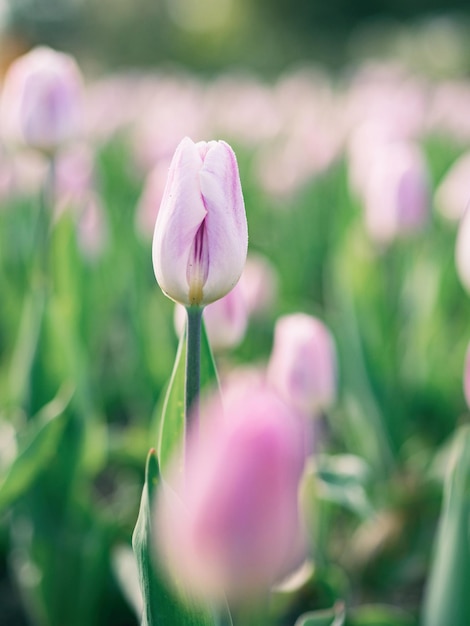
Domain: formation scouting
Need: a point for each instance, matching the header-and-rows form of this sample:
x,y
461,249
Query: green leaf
x,y
37,445
447,600
162,605
172,425
329,617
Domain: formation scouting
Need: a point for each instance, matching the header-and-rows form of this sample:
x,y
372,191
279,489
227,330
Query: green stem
x,y
193,365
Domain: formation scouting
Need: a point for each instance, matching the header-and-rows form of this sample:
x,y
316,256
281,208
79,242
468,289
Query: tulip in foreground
x,y
302,366
201,238
41,102
233,527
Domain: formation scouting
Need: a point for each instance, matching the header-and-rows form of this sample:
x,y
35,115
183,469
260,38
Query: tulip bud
x,y
201,238
397,192
41,100
259,284
302,366
235,529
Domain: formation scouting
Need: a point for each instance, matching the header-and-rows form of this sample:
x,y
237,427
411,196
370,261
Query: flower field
x,y
352,310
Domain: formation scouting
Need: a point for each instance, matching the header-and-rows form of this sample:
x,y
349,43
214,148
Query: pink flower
x,y
201,237
302,366
397,192
235,528
41,102
259,284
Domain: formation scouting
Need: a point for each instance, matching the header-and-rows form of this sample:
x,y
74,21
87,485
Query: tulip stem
x,y
193,364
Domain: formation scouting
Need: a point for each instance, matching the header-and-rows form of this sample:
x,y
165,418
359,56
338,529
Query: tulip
x,y
41,100
397,192
233,526
259,284
201,238
302,366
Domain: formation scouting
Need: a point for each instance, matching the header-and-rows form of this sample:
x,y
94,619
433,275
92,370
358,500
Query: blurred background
x,y
351,125
211,35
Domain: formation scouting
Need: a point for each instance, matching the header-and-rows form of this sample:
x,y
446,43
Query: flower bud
x,y
397,193
259,284
201,238
235,529
41,103
302,366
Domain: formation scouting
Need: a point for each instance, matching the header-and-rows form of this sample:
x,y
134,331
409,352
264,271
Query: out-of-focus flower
x,y
302,366
226,319
235,529
453,194
258,283
41,101
462,251
201,236
397,192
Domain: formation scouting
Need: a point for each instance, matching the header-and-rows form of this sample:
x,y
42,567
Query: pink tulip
x,y
201,238
234,527
258,283
302,366
41,100
397,192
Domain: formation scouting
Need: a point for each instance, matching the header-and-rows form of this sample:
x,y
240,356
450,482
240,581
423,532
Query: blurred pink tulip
x,y
258,283
201,237
397,192
226,320
235,529
41,101
302,366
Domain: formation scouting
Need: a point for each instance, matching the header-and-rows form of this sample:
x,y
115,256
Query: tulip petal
x,y
179,219
226,227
